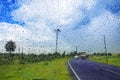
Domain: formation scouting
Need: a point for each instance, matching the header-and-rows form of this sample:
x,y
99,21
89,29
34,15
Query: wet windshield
x,y
39,39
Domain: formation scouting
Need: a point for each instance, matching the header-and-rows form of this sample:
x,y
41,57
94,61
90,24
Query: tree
x,y
10,46
109,54
94,53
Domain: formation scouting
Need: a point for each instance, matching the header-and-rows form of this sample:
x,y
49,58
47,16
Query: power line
x,y
53,8
28,2
47,8
58,11
48,11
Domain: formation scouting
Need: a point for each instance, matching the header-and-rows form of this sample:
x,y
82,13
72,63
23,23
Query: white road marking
x,y
111,71
73,71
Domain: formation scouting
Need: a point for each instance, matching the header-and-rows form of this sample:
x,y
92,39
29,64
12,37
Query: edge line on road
x,y
111,71
73,71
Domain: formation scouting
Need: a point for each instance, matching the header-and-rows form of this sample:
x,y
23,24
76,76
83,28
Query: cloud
x,y
107,24
90,37
13,32
27,38
43,17
82,24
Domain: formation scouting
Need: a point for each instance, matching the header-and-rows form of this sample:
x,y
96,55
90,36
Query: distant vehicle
x,y
76,56
84,56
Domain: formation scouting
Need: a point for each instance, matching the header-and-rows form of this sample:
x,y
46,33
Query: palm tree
x,y
10,46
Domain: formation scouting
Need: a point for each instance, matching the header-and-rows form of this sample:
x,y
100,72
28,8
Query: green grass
x,y
48,70
112,60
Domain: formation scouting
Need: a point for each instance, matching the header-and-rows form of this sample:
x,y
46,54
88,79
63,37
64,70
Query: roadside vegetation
x,y
113,59
55,69
22,66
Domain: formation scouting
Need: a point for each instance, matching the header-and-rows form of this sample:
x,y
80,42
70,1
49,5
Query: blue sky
x,y
6,8
32,23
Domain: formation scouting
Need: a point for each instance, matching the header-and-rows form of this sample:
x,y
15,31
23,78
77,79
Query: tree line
x,y
10,57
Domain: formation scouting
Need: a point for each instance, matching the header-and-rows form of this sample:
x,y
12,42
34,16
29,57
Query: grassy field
x,y
44,70
112,60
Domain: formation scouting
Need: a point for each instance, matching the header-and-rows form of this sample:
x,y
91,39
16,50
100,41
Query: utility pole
x,y
105,47
76,49
39,51
22,52
19,50
57,33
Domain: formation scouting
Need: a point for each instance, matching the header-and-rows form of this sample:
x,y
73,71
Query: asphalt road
x,y
88,70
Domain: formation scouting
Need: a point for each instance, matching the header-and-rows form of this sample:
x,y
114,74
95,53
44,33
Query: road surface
x,y
88,70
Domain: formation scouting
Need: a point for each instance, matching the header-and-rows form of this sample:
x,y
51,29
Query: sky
x,y
32,24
